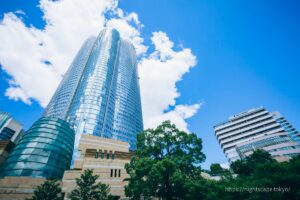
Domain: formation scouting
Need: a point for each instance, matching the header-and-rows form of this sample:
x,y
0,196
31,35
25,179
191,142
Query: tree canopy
x,y
88,189
165,159
166,165
49,190
217,170
259,176
250,163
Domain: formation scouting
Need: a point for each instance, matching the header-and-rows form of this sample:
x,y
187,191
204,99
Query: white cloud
x,y
159,73
20,12
177,116
36,59
24,50
17,93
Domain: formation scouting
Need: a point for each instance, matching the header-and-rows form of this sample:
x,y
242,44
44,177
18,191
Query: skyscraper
x,y
99,94
257,128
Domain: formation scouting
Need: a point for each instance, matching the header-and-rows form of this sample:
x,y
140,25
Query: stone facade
x,y
18,188
107,158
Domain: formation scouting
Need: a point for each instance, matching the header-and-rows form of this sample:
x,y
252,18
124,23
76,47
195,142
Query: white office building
x,y
257,129
10,129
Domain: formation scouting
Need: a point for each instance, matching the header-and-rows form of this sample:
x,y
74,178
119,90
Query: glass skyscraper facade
x,y
99,94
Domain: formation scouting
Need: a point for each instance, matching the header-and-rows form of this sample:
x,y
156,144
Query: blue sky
x,y
247,53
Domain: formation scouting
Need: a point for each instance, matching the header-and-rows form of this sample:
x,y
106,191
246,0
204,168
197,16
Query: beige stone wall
x,y
282,158
89,146
93,142
18,188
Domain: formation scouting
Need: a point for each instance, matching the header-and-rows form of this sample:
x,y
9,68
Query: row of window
x,y
246,132
243,127
236,124
266,142
247,114
6,133
115,172
285,148
102,155
248,136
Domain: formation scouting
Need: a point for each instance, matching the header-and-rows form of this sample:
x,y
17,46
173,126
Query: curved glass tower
x,y
99,94
45,150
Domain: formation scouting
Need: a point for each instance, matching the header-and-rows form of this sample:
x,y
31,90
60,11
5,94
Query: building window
x,y
116,172
119,173
111,172
96,155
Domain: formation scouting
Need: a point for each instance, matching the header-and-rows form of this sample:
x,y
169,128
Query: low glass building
x,y
44,151
10,129
278,145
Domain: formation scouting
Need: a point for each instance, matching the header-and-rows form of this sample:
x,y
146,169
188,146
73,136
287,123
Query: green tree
x,y
240,167
165,159
88,189
250,163
260,171
259,156
49,190
258,176
216,169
